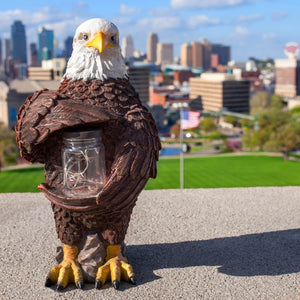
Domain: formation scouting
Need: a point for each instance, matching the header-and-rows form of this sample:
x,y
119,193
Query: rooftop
x,y
30,86
239,243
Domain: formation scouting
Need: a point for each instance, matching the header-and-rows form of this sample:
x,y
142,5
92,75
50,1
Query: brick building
x,y
287,77
181,76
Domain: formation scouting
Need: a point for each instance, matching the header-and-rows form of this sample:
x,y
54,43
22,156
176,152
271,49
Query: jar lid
x,y
82,134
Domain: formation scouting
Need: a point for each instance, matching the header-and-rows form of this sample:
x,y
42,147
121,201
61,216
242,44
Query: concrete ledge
x,y
241,243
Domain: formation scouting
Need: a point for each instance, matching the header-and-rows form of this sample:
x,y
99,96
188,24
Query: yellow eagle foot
x,y
67,271
115,268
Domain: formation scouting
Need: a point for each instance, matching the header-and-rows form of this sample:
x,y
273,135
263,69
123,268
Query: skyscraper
x,y
197,55
46,44
1,53
151,47
164,53
68,47
206,54
18,42
7,48
186,55
127,47
34,55
223,53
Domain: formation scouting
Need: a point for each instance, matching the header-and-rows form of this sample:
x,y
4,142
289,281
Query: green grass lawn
x,y
227,171
200,172
21,180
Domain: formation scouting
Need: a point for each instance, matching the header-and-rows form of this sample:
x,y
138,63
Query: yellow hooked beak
x,y
100,42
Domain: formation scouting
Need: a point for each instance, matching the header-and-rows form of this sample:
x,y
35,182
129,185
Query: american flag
x,y
189,119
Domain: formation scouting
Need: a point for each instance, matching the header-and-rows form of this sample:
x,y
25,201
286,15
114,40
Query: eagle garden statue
x,y
100,146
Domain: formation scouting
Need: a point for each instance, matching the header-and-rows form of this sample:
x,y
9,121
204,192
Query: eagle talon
x,y
116,268
116,284
59,287
98,285
48,282
132,280
67,271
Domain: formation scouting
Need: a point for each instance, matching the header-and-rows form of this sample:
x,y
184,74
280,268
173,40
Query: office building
x,y
139,78
18,42
68,47
46,44
186,55
151,47
1,55
217,91
7,44
197,55
34,55
223,53
13,95
164,53
127,47
206,54
287,77
52,69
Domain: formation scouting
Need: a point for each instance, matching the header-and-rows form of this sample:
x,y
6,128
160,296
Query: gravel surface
x,y
241,243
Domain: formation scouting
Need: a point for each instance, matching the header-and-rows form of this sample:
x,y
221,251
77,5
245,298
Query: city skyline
x,y
258,28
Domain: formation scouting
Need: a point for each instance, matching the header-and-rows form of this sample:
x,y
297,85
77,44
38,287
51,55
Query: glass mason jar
x,y
83,161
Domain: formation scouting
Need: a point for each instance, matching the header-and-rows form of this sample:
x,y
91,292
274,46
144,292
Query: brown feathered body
x,y
131,142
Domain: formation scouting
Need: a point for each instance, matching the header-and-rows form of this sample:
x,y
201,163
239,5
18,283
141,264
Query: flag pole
x,y
181,153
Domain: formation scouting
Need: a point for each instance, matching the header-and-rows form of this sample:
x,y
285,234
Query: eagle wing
x,y
136,152
47,112
135,160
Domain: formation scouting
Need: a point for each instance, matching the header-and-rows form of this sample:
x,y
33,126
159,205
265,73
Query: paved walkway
x,y
241,243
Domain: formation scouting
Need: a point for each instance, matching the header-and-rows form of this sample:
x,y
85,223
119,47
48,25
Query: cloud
x,y
126,10
63,24
64,28
195,21
250,18
162,12
241,30
122,21
43,15
159,23
268,36
197,4
278,15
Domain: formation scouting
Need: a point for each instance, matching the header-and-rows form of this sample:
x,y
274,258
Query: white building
x,y
127,47
164,53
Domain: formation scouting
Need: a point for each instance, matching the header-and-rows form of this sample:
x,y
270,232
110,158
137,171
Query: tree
x,y
208,124
8,145
231,119
278,131
245,122
247,139
295,110
259,102
276,101
284,140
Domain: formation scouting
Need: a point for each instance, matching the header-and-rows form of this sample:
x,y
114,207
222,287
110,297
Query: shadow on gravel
x,y
269,253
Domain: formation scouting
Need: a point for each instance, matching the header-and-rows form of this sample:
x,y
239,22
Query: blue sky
x,y
258,28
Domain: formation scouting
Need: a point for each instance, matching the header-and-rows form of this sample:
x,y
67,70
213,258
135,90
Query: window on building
x,y
13,114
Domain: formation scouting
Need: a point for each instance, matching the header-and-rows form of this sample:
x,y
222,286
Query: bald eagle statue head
x,y
96,52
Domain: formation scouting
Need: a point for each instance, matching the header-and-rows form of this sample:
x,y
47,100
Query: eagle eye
x,y
113,39
85,37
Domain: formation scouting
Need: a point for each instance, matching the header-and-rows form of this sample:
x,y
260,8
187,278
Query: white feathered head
x,y
96,52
